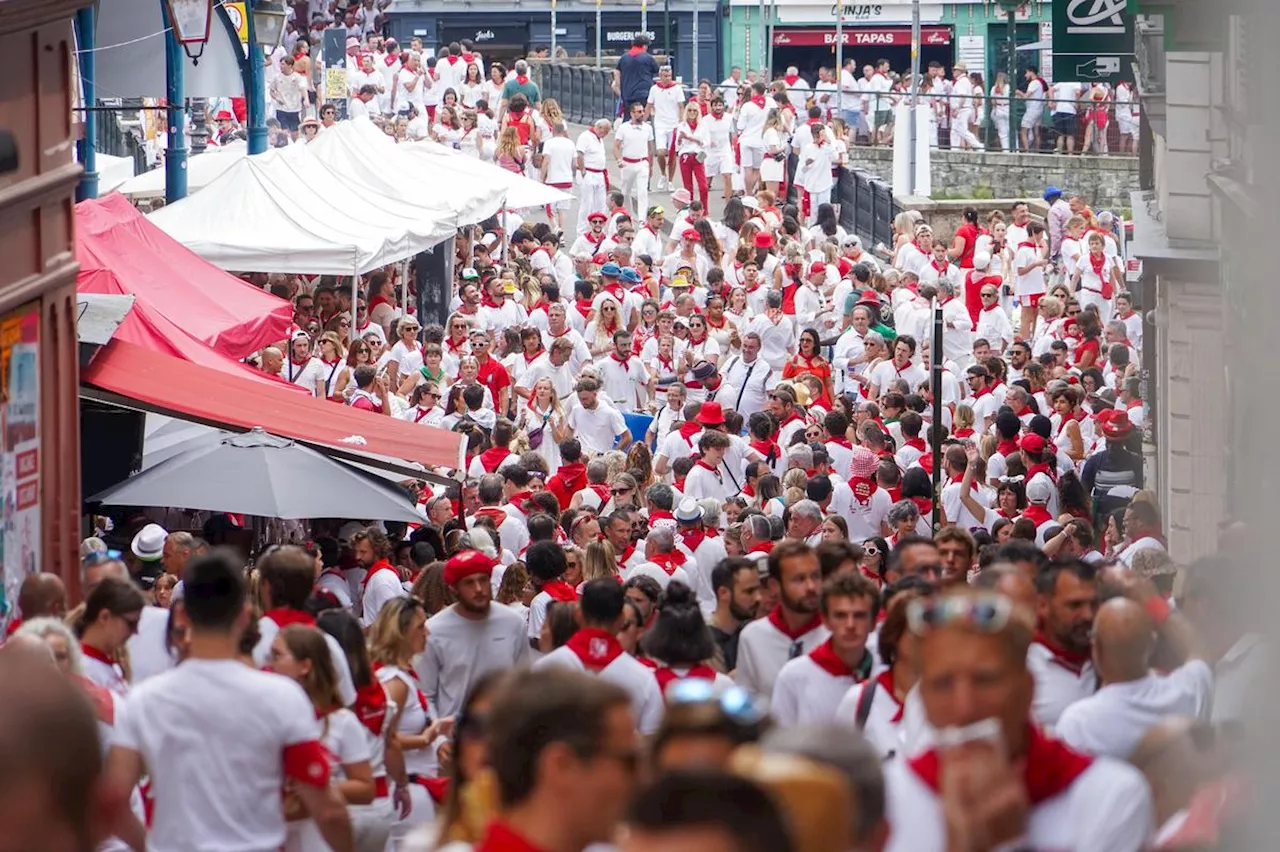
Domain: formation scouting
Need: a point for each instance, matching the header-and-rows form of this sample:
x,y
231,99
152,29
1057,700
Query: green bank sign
x,y
1093,41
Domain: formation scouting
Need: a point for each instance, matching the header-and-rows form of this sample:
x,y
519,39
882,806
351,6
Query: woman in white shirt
x,y
406,354
470,142
600,331
543,415
473,87
332,359
692,137
772,169
493,87
448,129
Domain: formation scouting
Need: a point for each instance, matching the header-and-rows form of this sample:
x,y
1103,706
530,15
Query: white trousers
x,y
591,195
961,135
1002,127
1090,297
635,186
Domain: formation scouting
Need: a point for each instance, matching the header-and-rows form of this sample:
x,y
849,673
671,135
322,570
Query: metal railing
x,y
867,207
114,138
585,93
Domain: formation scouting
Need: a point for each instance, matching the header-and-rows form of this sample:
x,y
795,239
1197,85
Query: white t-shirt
x,y
624,671
1031,284
559,153
805,693
763,650
667,103
214,735
1058,684
1113,720
596,428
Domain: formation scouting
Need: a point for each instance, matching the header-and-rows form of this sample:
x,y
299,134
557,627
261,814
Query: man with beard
x,y
736,582
1059,658
472,637
381,580
792,628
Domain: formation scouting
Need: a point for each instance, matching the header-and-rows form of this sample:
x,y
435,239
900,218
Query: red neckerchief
x,y
660,515
599,238
583,307
758,100
669,562
12,628
453,60
620,359
959,478
488,301
627,554
492,457
863,488
1038,514
776,619
1029,244
981,393
371,707
964,433
284,617
1042,468
602,491
824,656
841,442
693,125
1051,767
455,348
1007,447
596,648
99,655
924,504
635,51
700,463
692,539
494,513
529,359
559,590
378,300
500,837
688,429
791,79
885,681
1097,264
522,80
390,59
666,85
769,449
1073,661
380,565
916,443
666,676
943,268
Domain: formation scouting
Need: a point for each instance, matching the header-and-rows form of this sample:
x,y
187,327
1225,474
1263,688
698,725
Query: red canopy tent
x,y
168,385
184,306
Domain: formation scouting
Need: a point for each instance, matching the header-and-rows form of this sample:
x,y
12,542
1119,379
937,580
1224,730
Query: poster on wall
x,y
20,461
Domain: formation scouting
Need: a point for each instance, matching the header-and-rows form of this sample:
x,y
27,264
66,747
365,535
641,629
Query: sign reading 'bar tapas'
x,y
861,36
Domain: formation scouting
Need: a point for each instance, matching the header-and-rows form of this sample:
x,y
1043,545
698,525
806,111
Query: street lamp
x,y
189,20
268,22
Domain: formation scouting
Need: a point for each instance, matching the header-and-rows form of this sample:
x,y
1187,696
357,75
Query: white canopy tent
x,y
273,213
202,170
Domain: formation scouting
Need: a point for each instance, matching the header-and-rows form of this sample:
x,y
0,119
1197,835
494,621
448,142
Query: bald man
x,y
1114,720
41,594
52,791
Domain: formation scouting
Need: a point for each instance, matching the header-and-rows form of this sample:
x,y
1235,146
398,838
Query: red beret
x,y
465,563
1032,443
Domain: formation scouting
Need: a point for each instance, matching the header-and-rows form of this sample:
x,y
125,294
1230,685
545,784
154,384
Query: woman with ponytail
x,y
679,645
108,619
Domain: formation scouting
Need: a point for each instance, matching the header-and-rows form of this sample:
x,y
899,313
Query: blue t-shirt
x,y
636,73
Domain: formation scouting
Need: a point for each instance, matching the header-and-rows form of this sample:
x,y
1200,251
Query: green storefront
x,y
803,34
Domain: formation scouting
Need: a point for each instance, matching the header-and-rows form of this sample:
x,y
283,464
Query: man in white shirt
x,y
963,110
213,718
594,649
793,628
596,424
750,376
470,638
592,170
1114,720
1058,659
728,89
634,150
381,582
559,160
665,105
1066,800
751,117
1063,96
809,688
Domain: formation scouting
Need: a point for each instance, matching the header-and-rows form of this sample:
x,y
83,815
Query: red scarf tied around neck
x,y
1051,767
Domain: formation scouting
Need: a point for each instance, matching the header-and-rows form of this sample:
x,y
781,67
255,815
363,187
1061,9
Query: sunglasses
x,y
616,491
988,295
735,702
870,550
987,613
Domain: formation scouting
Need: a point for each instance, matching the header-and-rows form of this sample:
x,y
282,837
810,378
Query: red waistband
x,y
635,160
589,169
381,789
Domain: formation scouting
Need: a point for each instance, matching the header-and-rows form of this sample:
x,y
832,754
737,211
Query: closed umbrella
x,y
257,473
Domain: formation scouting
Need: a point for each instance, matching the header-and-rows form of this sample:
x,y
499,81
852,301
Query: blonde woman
x,y
542,420
332,356
964,419
551,114
600,562
397,635
600,331
470,142
510,154
773,169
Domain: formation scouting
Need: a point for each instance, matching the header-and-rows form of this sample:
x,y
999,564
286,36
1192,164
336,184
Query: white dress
x,y
771,169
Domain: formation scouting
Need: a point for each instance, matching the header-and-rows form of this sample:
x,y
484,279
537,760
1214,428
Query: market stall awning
x,y
178,388
180,298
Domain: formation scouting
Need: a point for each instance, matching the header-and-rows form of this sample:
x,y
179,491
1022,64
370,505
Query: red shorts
x,y
1034,301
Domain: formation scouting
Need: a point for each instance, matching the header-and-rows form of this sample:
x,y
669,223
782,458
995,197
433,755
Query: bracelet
x,y
1158,608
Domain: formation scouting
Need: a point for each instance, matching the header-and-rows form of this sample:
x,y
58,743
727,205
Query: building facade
x,y
803,34
39,371
505,30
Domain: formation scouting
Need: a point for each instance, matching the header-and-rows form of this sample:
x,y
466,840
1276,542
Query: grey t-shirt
x,y
460,650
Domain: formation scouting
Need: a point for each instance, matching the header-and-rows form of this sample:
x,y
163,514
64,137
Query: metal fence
x,y
114,138
584,92
867,207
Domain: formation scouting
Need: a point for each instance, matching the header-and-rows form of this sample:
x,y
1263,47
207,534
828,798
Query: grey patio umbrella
x,y
257,473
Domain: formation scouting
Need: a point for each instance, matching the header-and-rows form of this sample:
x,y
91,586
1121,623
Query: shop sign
x,y
857,13
861,37
625,36
20,462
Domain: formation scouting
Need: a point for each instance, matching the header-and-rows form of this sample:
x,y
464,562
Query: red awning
x,y
860,37
180,298
210,396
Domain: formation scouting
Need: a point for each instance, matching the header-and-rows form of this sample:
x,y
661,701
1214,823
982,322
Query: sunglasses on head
x,y
987,613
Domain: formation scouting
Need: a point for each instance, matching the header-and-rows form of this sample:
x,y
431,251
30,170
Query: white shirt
x,y
596,428
267,630
559,154
1107,807
1031,284
701,483
805,693
667,103
764,649
751,120
1114,719
659,574
1058,685
148,651
213,735
591,149
883,727
865,519
775,339
625,671
379,587
633,141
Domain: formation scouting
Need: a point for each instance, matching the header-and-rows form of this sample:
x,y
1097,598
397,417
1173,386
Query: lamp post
x,y
265,24
86,30
1010,8
186,24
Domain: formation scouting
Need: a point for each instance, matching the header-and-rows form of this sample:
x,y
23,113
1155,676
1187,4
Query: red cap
x,y
224,115
600,259
690,234
1116,424
764,239
1032,443
591,217
818,268
711,414
464,564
